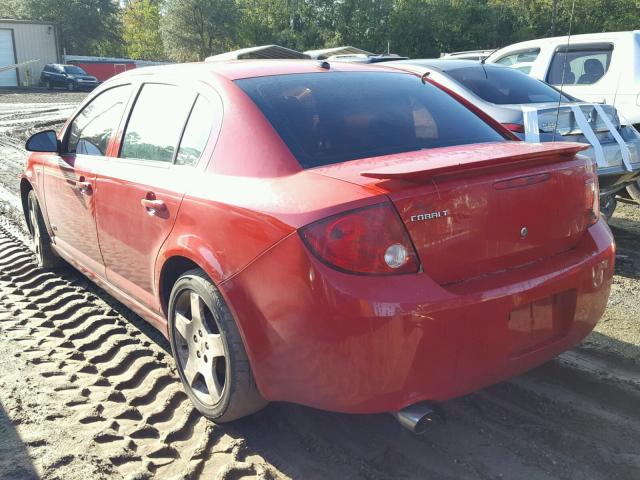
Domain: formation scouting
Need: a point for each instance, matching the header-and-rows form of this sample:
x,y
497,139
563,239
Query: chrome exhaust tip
x,y
416,418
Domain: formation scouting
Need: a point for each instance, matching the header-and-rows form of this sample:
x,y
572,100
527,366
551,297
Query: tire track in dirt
x,y
117,385
120,388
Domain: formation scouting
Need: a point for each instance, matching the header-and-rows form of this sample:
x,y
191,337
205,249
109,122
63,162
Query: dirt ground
x,y
88,390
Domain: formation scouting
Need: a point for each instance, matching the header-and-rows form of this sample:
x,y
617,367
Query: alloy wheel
x,y
201,353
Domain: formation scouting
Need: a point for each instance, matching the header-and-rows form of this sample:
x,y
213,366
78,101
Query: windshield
x,y
334,117
73,70
505,86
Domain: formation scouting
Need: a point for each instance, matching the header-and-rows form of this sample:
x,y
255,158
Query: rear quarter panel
x,y
225,222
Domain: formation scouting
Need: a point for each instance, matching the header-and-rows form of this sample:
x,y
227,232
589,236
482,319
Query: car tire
x,y
41,242
208,350
608,205
633,190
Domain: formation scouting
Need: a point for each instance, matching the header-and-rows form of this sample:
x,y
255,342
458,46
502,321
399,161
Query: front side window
x,y
73,70
91,130
579,65
504,86
156,123
336,117
196,133
524,56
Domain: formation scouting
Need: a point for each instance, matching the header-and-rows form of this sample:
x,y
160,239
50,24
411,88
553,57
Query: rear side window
x,y
196,133
327,118
579,65
92,128
504,86
156,123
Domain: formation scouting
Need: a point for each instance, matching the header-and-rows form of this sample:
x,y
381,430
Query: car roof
x,y
239,69
584,37
445,65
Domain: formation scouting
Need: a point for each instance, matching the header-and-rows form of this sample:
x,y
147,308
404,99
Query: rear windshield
x,y
327,118
505,86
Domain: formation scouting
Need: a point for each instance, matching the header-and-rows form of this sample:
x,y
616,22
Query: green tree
x,y
365,23
86,27
297,24
141,30
12,9
194,29
265,22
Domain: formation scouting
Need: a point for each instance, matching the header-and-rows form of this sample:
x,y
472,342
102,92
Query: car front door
x,y
70,178
141,190
57,76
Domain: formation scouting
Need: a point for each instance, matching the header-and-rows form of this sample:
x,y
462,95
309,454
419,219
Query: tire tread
x,y
49,259
243,397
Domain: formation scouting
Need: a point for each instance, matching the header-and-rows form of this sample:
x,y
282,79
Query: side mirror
x,y
46,141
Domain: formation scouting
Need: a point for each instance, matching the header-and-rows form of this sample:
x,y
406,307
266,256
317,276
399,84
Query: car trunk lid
x,y
474,210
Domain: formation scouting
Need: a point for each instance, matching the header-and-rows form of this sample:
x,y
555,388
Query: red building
x,y
104,68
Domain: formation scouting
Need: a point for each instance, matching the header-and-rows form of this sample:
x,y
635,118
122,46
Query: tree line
x,y
186,30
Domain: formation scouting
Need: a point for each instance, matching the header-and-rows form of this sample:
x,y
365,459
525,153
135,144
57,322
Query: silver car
x,y
537,112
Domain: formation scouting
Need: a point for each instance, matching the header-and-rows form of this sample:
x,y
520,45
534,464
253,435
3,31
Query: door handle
x,y
83,186
152,205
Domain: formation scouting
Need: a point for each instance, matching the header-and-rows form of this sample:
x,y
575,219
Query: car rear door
x,y
70,178
57,76
141,190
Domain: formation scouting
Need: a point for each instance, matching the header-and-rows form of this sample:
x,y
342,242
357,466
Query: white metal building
x,y
23,41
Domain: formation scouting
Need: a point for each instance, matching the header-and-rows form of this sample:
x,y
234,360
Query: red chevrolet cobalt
x,y
341,236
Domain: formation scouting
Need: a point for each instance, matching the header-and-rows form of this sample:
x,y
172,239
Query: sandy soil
x,y
88,390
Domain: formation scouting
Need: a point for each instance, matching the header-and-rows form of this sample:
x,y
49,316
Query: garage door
x,y
7,78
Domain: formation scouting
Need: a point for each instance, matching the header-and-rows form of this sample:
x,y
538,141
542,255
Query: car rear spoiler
x,y
439,162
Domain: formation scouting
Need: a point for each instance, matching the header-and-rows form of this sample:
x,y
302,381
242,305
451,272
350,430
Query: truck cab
x,y
598,67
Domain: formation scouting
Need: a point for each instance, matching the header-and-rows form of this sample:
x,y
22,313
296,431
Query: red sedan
x,y
341,236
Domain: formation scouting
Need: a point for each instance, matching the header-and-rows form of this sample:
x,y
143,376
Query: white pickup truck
x,y
595,67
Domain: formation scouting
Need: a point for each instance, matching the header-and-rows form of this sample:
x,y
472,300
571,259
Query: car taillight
x,y
592,194
370,240
514,127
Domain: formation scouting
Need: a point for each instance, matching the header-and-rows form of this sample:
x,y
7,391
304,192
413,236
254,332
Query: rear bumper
x,y
362,344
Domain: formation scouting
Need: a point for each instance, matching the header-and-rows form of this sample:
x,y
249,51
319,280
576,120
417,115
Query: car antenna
x,y
482,60
564,66
424,77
